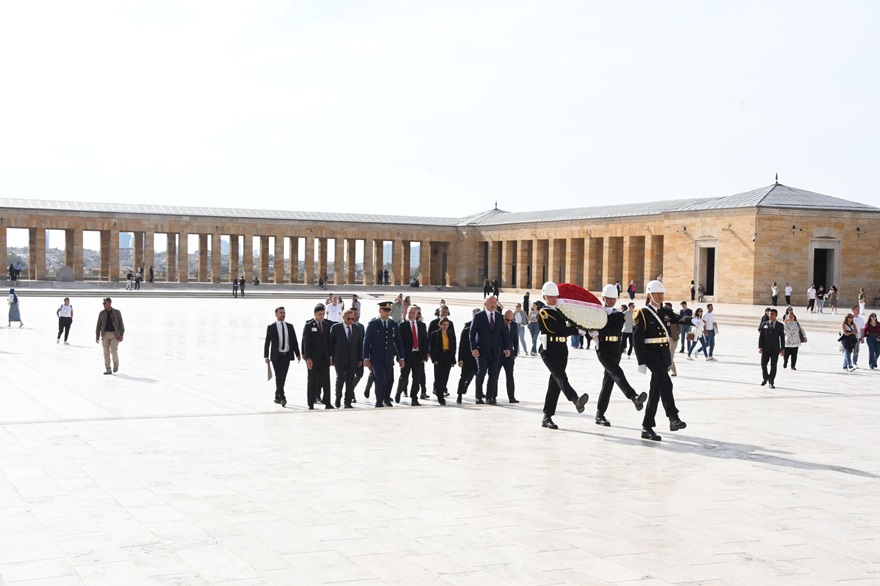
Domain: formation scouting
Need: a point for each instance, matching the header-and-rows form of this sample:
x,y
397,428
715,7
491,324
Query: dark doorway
x,y
528,277
707,269
821,264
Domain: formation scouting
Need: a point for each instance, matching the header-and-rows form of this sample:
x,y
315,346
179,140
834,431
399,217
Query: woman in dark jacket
x,y
442,350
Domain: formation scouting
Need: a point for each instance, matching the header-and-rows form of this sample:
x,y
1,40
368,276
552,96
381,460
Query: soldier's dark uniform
x,y
382,343
555,356
651,342
609,351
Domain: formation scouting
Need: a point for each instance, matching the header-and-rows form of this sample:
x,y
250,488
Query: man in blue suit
x,y
381,343
488,343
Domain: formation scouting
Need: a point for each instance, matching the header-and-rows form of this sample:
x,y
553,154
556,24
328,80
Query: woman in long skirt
x,y
14,314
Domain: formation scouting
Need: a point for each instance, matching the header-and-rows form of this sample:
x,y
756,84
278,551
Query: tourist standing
x,y
788,291
794,337
109,332
832,299
849,340
693,288
241,284
862,299
685,328
820,297
859,322
774,294
14,312
521,319
65,320
234,288
534,329
872,331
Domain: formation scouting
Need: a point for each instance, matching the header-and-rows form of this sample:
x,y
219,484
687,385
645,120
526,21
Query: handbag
x,y
690,337
802,336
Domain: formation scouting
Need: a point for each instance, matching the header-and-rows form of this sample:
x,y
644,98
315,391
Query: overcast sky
x,y
435,108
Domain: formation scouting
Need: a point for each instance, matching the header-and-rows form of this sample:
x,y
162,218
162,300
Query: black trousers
x,y
811,304
610,360
775,300
556,362
412,364
345,376
64,324
441,377
788,299
468,372
507,364
790,354
281,365
661,387
487,365
626,339
772,358
319,380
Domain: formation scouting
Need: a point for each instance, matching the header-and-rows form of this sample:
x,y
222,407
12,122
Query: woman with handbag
x,y
697,326
872,331
848,339
794,337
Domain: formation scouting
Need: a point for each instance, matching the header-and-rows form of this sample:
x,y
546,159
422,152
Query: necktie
x,y
415,336
320,328
491,322
348,332
283,341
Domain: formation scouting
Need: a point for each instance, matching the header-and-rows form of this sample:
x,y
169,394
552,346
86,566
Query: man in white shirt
x,y
279,348
811,299
65,320
859,322
788,294
334,310
709,324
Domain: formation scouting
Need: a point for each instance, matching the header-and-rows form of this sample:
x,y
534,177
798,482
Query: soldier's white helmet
x,y
550,289
610,291
655,287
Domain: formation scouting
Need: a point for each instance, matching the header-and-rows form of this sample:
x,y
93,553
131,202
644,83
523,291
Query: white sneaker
x,y
57,340
691,358
67,343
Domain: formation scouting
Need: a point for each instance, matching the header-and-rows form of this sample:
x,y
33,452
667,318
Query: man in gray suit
x,y
346,355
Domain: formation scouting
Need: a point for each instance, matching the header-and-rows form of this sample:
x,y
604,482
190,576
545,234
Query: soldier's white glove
x,y
643,369
582,333
595,335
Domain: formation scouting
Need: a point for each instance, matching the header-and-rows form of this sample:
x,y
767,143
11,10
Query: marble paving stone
x,y
181,470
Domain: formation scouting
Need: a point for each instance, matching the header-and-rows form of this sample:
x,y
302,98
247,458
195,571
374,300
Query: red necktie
x,y
415,336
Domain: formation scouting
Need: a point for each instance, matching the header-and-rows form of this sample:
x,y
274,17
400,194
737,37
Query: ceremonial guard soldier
x,y
554,352
609,350
382,343
651,342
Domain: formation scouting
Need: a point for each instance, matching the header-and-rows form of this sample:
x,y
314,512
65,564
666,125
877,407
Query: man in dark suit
x,y
279,348
316,351
466,361
507,361
346,356
415,352
356,323
771,345
488,343
381,343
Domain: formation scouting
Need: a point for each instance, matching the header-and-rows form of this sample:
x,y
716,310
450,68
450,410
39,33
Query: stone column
x,y
507,255
653,257
494,260
37,253
338,261
203,258
522,265
264,259
612,261
322,259
632,255
293,248
216,256
233,257
406,264
170,257
574,248
369,262
138,251
309,263
350,260
279,259
379,248
539,261
426,276
396,262
4,265
183,258
556,260
247,258
73,253
149,253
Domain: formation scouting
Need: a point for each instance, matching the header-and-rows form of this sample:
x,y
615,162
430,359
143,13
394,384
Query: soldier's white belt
x,y
611,338
656,340
556,338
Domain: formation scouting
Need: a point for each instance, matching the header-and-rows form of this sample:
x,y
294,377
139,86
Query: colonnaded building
x,y
735,246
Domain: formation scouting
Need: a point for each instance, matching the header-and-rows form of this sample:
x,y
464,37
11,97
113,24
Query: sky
x,y
436,108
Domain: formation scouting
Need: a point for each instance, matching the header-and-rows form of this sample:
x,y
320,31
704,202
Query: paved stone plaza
x,y
181,470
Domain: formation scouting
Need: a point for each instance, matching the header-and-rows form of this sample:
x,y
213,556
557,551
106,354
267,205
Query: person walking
x,y
631,289
241,284
442,351
651,341
234,288
316,351
774,294
859,322
693,289
833,299
521,319
848,340
862,299
674,335
820,297
554,352
626,334
65,320
512,331
534,329
794,337
346,356
788,291
684,312
811,298
488,343
609,350
710,328
382,343
872,339
109,332
771,345
466,361
14,312
414,336
695,334
279,348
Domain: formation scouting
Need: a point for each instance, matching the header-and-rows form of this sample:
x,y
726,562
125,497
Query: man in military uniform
x,y
609,350
554,352
316,353
466,361
651,342
381,343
